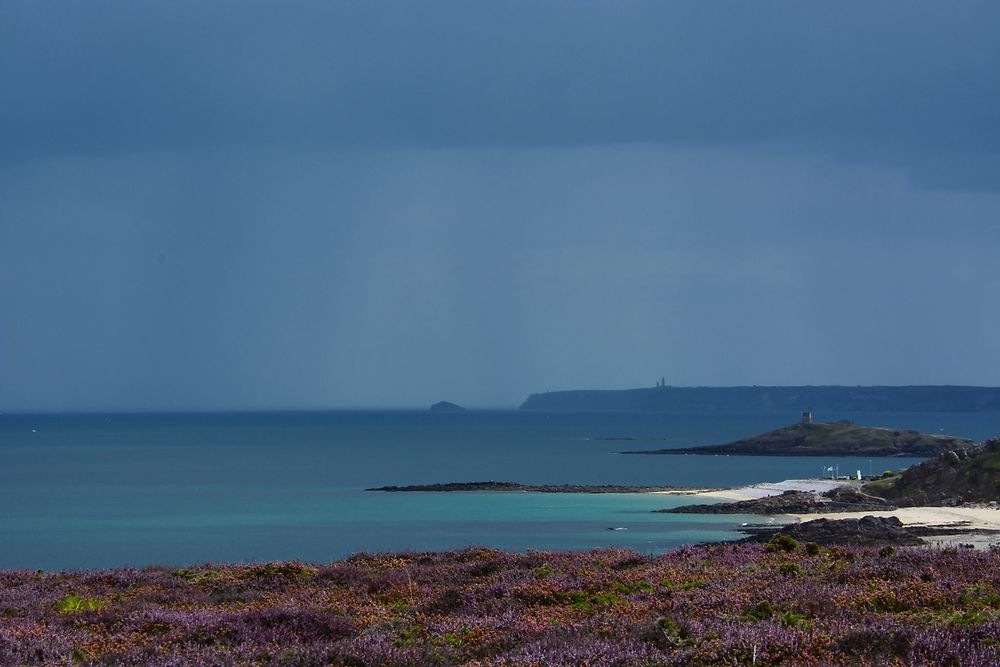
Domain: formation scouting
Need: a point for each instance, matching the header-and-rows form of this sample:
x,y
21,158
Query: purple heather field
x,y
722,604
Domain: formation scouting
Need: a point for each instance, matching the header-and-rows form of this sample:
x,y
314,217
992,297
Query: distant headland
x,y
832,398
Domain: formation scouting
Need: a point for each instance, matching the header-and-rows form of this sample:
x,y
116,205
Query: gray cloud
x,y
253,205
367,278
898,83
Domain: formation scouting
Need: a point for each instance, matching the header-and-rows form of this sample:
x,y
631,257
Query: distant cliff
x,y
919,398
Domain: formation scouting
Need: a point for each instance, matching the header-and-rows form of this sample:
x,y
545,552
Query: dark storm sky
x,y
340,204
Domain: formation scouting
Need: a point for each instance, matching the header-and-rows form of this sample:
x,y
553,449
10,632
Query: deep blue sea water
x,y
80,491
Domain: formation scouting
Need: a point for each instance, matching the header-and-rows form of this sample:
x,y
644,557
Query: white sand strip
x,y
987,518
773,489
689,492
973,518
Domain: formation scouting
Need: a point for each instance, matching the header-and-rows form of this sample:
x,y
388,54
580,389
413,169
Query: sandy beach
x,y
974,518
764,489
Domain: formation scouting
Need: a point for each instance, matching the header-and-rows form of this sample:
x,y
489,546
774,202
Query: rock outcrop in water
x,y
446,406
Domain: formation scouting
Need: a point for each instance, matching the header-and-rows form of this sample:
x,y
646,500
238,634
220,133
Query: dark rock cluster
x,y
868,531
842,499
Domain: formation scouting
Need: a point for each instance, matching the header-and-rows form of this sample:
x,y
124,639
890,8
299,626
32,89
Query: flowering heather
x,y
712,605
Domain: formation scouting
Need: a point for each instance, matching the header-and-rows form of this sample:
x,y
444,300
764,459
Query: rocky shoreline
x,y
868,531
855,527
843,499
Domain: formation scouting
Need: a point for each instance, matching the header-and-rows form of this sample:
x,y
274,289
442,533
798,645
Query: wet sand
x,y
764,489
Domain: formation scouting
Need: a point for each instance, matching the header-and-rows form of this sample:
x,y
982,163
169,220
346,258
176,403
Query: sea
x,y
107,490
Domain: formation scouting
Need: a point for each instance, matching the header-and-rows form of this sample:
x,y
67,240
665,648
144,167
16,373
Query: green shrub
x,y
684,585
979,596
761,611
969,617
73,604
579,600
790,569
197,576
812,549
764,610
782,542
634,587
791,618
542,571
586,602
608,598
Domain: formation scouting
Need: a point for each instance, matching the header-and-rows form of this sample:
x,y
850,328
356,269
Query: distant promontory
x,y
665,398
841,438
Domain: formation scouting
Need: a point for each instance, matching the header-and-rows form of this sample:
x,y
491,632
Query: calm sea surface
x,y
108,490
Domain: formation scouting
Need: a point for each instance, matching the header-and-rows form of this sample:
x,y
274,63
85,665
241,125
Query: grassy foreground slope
x,y
968,474
840,438
722,604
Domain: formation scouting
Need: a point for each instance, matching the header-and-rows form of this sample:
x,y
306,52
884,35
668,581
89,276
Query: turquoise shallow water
x,y
106,490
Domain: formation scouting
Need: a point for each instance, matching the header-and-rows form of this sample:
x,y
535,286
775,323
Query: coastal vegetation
x,y
723,604
841,438
966,474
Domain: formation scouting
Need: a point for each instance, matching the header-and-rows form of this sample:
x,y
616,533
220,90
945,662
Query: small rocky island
x,y
841,438
446,406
